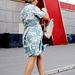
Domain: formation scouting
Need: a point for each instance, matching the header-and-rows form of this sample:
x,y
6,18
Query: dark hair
x,y
29,1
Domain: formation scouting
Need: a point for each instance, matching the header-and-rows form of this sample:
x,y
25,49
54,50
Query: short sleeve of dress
x,y
38,12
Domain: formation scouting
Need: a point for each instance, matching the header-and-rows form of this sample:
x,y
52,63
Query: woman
x,y
32,36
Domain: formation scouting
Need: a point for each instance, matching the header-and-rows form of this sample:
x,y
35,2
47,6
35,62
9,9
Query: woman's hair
x,y
29,1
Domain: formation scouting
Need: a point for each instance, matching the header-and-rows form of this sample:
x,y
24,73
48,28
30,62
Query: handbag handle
x,y
45,24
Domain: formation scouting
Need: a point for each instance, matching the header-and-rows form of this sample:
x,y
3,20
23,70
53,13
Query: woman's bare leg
x,y
30,65
40,64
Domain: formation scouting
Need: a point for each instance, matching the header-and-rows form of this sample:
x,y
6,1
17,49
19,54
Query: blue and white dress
x,y
32,35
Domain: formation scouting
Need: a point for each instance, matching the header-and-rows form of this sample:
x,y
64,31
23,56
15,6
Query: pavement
x,y
58,60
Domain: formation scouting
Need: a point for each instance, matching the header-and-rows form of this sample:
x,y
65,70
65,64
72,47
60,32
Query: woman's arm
x,y
46,17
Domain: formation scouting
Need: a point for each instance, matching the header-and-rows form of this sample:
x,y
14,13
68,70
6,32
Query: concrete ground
x,y
13,60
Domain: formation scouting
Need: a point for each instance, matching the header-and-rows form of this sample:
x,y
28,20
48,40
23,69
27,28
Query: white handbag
x,y
48,29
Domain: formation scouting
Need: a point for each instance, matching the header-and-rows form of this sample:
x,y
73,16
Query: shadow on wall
x,y
71,38
10,40
15,40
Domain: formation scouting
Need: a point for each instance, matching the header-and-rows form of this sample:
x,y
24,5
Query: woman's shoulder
x,y
36,8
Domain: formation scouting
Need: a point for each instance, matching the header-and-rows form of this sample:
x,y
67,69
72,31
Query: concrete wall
x,y
10,21
68,21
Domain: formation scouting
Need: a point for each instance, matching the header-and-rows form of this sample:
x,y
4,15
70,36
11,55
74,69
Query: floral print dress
x,y
32,35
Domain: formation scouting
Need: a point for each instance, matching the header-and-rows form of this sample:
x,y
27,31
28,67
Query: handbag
x,y
47,32
48,29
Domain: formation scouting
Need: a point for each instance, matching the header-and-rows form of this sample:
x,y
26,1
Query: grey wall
x,y
10,21
10,16
68,21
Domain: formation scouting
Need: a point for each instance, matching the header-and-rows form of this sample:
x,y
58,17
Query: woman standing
x,y
32,35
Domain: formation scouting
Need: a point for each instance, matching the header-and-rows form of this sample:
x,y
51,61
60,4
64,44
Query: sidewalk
x,y
13,60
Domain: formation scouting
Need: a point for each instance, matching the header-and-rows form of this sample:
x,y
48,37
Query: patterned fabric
x,y
32,35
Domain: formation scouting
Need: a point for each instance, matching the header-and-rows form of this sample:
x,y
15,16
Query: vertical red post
x,y
59,36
